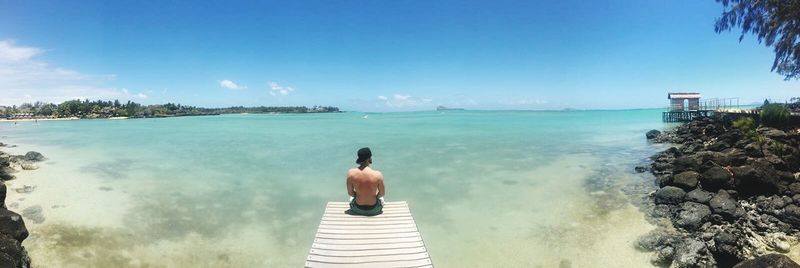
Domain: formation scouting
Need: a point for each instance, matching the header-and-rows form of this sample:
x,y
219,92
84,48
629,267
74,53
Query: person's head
x,y
364,157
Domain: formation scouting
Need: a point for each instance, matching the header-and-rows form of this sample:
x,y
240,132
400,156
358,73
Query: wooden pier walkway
x,y
683,116
387,240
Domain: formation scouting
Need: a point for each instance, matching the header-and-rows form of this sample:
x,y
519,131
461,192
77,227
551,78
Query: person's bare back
x,y
365,185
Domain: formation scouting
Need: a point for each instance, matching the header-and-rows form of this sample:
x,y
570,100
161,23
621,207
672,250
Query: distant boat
x,y
442,108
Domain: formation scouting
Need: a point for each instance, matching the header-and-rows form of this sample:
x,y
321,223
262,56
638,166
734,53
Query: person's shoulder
x,y
378,174
352,171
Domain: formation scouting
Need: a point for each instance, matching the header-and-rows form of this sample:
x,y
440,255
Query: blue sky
x,y
379,55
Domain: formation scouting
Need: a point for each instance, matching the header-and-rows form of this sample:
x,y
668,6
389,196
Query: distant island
x,y
116,109
442,108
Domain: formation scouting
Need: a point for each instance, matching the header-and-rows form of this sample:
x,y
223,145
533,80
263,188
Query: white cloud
x,y
230,85
402,101
275,89
23,78
11,52
141,95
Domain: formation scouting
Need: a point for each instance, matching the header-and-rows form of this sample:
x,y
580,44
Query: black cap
x,y
363,155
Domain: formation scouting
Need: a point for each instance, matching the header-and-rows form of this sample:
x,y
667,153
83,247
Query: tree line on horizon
x,y
105,109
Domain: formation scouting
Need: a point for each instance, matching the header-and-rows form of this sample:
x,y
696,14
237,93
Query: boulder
x,y
773,133
692,215
726,249
640,169
663,256
715,178
673,151
791,214
29,166
669,195
692,253
753,150
718,146
725,205
760,178
686,180
13,249
661,166
685,163
699,195
34,156
652,134
773,260
11,224
3,190
794,188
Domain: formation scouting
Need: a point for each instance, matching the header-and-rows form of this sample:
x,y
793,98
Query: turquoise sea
x,y
487,188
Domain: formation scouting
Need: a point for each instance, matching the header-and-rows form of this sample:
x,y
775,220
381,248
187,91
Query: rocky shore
x,y
12,226
725,197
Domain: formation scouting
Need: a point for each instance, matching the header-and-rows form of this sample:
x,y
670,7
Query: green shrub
x,y
778,148
745,124
774,115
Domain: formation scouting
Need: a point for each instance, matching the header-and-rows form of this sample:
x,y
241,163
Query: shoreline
x,y
722,200
39,119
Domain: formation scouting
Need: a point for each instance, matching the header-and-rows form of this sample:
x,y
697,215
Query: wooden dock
x,y
387,240
683,116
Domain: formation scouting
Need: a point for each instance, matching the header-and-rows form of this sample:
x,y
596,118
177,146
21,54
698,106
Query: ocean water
x,y
487,188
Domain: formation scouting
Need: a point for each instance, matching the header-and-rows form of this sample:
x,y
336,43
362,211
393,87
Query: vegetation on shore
x,y
106,109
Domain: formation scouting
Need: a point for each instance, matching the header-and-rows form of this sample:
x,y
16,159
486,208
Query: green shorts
x,y
366,210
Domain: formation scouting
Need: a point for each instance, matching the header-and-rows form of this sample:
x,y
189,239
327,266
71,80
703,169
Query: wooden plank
x,y
368,223
362,227
369,246
365,220
385,204
368,259
366,241
385,212
367,236
385,209
369,252
394,264
368,231
356,217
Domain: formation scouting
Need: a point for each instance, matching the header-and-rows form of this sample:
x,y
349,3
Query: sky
x,y
380,55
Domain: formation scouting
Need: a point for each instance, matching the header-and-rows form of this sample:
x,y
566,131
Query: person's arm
x,y
381,189
350,190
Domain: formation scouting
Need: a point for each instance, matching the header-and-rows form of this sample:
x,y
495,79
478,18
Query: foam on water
x,y
486,188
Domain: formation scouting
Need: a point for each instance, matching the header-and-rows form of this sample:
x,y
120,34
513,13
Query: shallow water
x,y
506,188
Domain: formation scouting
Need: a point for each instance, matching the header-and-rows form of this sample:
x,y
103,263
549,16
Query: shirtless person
x,y
365,185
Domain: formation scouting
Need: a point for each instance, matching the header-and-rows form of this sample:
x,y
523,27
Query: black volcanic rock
x,y
769,261
11,224
692,215
685,163
723,204
34,156
686,180
652,134
669,195
699,195
715,178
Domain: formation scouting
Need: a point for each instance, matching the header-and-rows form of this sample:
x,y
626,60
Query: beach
x,y
37,119
507,188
